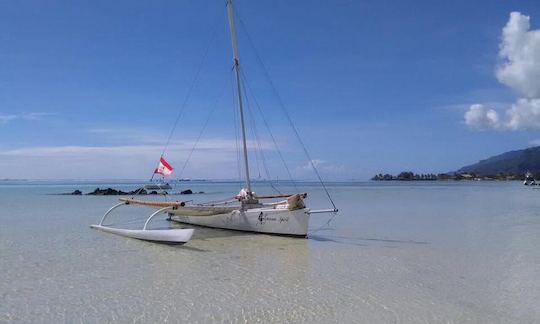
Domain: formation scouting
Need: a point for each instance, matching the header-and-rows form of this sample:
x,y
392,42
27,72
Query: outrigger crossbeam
x,y
174,235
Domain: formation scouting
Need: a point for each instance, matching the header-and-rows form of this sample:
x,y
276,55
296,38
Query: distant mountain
x,y
515,162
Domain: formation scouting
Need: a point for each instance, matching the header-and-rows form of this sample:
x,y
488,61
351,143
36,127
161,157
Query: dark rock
x,y
74,193
186,192
114,192
140,191
107,192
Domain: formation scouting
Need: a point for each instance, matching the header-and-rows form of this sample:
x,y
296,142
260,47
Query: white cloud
x,y
214,158
324,167
520,70
479,117
125,135
524,114
315,162
36,115
4,119
533,143
520,52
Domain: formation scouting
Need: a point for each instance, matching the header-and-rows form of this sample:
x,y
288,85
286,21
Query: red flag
x,y
164,168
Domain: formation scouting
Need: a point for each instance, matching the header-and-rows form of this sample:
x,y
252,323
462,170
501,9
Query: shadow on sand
x,y
342,239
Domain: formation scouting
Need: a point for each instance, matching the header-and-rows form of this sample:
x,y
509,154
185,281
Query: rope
x,y
282,106
320,228
214,106
192,86
190,90
236,131
260,150
270,132
253,130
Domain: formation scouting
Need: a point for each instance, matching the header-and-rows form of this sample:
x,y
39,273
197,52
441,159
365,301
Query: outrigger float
x,y
172,236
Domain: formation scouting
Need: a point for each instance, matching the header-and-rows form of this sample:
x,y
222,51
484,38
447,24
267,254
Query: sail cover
x,y
164,168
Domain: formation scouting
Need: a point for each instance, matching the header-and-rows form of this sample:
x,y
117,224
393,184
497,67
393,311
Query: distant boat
x,y
529,179
157,186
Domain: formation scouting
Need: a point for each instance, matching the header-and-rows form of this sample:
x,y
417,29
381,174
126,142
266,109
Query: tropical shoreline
x,y
453,176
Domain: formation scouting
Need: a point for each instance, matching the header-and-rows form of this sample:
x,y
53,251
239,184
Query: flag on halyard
x,y
164,168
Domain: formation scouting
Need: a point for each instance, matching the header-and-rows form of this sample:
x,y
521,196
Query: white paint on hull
x,y
262,220
176,235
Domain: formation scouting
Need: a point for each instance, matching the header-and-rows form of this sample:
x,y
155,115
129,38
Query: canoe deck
x,y
150,203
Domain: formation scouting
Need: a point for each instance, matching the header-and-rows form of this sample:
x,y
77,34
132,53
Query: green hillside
x,y
513,162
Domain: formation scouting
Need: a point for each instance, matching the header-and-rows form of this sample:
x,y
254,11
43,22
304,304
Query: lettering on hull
x,y
265,218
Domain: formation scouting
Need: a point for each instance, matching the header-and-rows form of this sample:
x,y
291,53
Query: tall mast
x,y
232,27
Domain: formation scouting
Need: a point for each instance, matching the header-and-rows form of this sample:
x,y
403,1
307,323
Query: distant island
x,y
511,165
513,162
411,176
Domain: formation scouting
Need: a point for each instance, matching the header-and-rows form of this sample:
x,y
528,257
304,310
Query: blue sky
x,y
90,89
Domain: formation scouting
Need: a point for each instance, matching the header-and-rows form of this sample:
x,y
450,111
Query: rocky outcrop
x,y
114,192
117,192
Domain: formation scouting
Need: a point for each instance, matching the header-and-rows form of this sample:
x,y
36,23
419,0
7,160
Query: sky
x,y
92,89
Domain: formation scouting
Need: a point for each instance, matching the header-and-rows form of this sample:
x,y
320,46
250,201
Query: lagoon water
x,y
396,253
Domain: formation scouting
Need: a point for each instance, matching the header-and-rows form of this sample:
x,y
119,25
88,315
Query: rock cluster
x,y
115,192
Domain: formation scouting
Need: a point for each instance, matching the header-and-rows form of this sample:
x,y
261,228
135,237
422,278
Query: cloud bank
x,y
325,168
214,158
519,69
114,162
4,119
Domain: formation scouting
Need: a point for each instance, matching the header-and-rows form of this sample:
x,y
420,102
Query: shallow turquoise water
x,y
397,252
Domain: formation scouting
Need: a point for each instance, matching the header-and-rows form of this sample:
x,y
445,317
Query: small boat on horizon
x,y
529,179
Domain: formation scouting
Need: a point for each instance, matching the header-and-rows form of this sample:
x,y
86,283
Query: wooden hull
x,y
177,236
261,220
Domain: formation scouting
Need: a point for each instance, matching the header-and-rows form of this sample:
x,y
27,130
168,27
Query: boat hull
x,y
176,235
261,220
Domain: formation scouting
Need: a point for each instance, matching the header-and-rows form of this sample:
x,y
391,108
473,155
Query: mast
x,y
232,27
